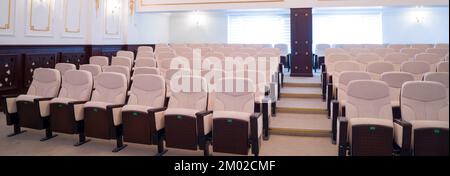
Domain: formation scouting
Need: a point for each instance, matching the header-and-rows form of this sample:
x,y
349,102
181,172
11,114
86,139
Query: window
x,y
259,29
347,27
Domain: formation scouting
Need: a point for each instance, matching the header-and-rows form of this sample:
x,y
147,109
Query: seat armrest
x,y
406,135
9,96
203,114
255,116
115,106
77,102
156,110
343,133
255,127
42,99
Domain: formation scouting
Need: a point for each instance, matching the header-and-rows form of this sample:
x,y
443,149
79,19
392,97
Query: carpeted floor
x,y
28,144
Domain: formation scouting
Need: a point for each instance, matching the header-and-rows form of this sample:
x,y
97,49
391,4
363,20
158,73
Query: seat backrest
x,y
398,47
274,51
145,49
284,49
329,51
163,50
431,59
368,99
165,55
397,59
438,77
442,66
77,84
177,45
110,88
146,70
145,63
441,45
439,51
321,48
144,54
375,69
258,78
331,59
383,51
422,46
395,81
366,58
122,61
411,52
95,70
187,95
118,69
358,51
46,83
128,54
99,60
344,80
64,67
147,90
235,94
424,100
342,66
374,46
417,68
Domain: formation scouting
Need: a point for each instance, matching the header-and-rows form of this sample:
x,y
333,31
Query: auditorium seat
x,y
431,59
75,90
442,66
374,46
95,70
236,127
442,52
99,60
145,63
175,75
397,59
187,122
64,67
337,105
395,80
122,61
143,116
423,129
376,69
358,51
145,55
106,104
128,54
32,110
366,129
417,68
411,52
165,55
438,77
262,100
118,69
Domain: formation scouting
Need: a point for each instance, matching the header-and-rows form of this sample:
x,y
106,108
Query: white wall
x,y
137,28
400,25
198,27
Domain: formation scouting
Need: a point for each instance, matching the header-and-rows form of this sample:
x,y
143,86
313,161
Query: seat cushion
x,y
29,98
97,104
138,108
232,114
62,100
181,111
416,124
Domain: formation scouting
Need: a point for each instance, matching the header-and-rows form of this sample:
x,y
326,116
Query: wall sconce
x,y
419,15
196,17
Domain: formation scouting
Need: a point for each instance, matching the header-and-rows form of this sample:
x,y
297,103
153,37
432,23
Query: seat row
x,y
225,119
367,126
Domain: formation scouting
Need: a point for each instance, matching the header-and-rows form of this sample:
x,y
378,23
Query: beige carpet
x,y
28,144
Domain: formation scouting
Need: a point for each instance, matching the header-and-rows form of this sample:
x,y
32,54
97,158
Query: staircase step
x,y
301,125
301,92
301,106
288,84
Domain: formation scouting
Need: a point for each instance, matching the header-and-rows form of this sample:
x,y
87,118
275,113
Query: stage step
x,y
301,106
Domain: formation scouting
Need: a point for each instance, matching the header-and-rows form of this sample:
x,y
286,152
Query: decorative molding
x,y
7,28
97,6
66,28
116,15
200,2
34,30
7,25
132,4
